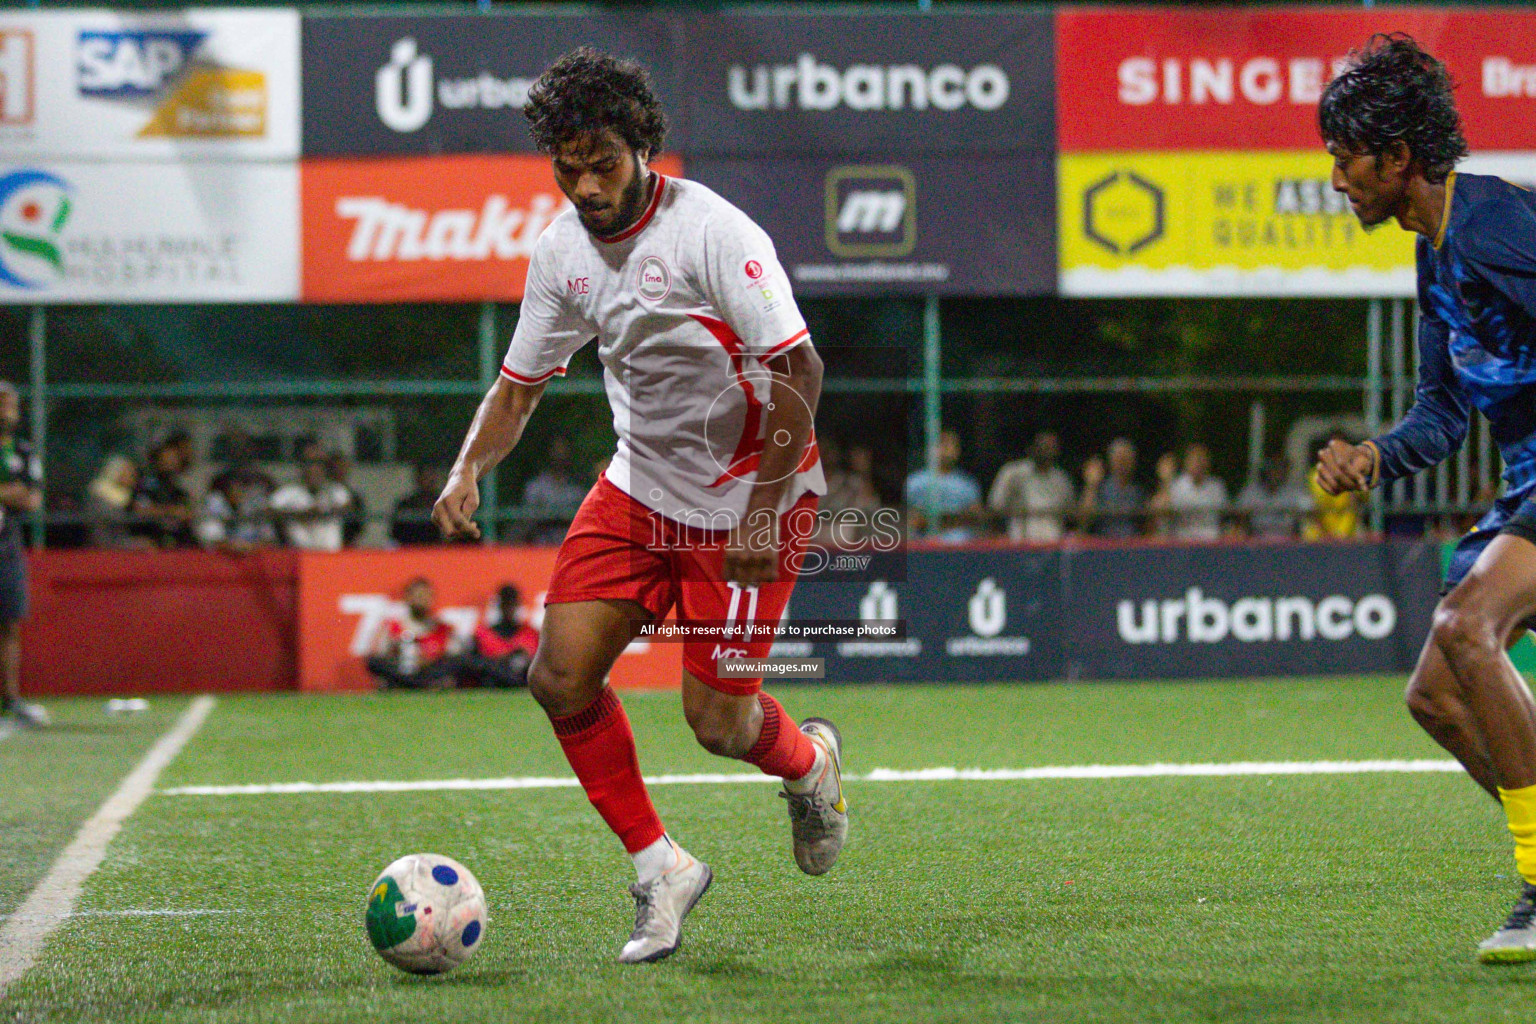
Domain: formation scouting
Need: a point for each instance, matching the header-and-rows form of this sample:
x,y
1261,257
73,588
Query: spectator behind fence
x,y
503,649
1334,516
237,513
339,469
416,650
1272,504
850,487
411,522
109,505
944,505
309,513
1034,493
1196,499
554,494
162,507
1114,505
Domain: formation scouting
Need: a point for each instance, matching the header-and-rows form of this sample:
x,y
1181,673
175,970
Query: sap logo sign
x,y
1206,620
132,64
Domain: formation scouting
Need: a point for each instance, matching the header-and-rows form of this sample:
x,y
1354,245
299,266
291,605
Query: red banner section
x,y
111,622
1164,78
438,228
345,599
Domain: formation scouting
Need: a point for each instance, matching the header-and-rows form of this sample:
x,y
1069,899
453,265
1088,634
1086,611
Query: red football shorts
x,y
617,549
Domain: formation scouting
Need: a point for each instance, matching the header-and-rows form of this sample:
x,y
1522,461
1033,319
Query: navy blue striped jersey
x,y
1477,333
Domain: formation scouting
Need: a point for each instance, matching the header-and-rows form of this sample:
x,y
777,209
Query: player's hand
x,y
1343,467
455,508
752,553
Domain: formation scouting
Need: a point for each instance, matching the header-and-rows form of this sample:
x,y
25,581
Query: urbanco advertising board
x,y
454,83
193,84
146,232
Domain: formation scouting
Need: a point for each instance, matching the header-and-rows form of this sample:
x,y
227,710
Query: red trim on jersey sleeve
x,y
788,342
645,218
558,371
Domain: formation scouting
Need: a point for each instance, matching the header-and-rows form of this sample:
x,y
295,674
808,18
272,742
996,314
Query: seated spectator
x,y
309,513
1334,516
109,505
944,505
339,469
1196,499
1272,504
850,485
1034,493
1114,505
417,651
503,649
556,492
162,507
236,514
411,522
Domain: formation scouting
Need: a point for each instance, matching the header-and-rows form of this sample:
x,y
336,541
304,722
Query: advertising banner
x,y
407,229
770,84
345,600
1247,610
454,83
1250,78
1219,223
979,225
193,84
145,232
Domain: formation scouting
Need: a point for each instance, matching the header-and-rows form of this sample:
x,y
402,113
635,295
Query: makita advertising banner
x,y
194,84
149,232
454,83
426,229
1247,609
980,225
771,84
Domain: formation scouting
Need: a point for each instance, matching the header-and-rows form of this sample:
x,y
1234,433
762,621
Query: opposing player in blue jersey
x,y
1389,120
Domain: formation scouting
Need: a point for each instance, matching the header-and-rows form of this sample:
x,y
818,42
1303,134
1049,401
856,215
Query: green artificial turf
x,y
1324,899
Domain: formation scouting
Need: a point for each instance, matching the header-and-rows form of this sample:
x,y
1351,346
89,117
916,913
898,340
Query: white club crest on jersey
x,y
655,279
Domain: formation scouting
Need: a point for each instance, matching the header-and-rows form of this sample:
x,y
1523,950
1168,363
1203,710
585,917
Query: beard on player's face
x,y
605,180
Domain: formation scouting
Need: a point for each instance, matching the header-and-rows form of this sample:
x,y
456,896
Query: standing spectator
x,y
21,481
556,493
339,469
415,651
1272,504
503,649
162,506
1114,505
1034,493
310,512
944,505
109,505
1196,499
411,522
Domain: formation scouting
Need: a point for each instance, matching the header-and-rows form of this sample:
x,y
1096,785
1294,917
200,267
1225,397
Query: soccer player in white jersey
x,y
711,494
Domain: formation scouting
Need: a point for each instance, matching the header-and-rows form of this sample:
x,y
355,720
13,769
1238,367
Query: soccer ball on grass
x,y
426,914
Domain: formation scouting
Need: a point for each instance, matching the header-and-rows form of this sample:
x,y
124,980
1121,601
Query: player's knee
x,y
717,732
1461,630
559,690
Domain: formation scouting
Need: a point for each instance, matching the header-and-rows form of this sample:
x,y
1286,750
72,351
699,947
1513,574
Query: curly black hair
x,y
1391,90
587,92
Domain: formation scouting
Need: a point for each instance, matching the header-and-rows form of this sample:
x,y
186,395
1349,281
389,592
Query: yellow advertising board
x,y
1219,223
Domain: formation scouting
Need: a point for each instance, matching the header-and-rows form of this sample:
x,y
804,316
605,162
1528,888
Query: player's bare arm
x,y
493,433
1343,468
753,556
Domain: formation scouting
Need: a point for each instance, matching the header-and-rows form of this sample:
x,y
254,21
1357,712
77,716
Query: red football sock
x,y
781,748
601,749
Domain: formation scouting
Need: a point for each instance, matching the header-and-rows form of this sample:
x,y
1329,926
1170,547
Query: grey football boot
x,y
818,819
1515,943
660,908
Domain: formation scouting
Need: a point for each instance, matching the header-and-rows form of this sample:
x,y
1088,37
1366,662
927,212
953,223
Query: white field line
x,y
134,913
23,935
1085,771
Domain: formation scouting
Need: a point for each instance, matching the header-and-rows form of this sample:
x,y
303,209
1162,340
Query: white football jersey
x,y
684,306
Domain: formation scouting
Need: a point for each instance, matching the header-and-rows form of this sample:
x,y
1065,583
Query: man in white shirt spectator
x,y
1196,499
310,512
1034,493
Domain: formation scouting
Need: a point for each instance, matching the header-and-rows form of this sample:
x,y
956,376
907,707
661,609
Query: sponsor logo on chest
x,y
655,279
